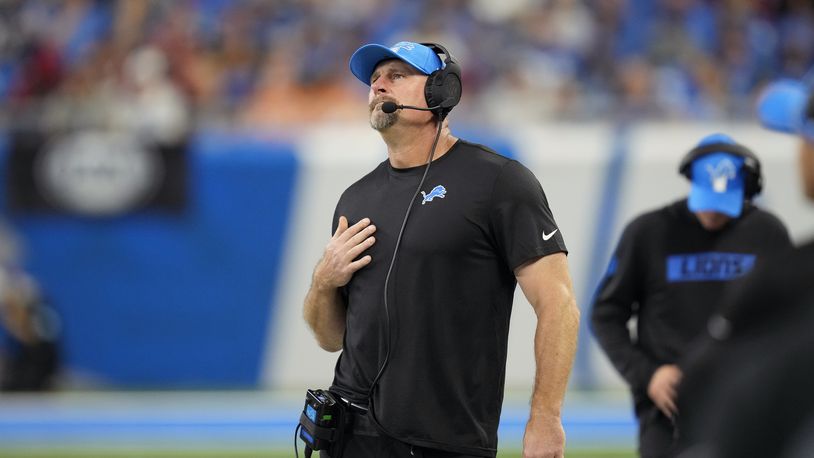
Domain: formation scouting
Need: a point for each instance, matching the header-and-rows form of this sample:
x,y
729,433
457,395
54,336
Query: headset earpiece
x,y
753,177
443,88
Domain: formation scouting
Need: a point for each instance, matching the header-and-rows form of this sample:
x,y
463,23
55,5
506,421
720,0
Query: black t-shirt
x,y
480,216
672,274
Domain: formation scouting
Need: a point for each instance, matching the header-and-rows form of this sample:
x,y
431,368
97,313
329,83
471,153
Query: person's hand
x,y
662,388
339,263
544,437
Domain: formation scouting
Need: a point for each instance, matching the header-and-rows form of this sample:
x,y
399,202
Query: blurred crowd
x,y
162,66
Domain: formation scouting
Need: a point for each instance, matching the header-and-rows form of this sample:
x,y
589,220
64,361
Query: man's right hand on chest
x,y
339,262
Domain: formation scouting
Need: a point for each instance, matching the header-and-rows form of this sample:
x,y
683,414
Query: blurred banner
x,y
94,173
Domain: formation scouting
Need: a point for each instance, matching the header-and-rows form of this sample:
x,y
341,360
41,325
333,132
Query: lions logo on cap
x,y
721,173
406,45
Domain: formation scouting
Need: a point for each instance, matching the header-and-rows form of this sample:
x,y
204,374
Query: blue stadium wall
x,y
162,299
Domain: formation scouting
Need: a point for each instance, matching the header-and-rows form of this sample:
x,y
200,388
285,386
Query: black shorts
x,y
363,440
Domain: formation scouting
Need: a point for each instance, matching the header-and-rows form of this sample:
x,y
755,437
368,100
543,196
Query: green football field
x,y
245,424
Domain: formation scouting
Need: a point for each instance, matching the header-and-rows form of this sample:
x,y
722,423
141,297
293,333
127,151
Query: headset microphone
x,y
390,107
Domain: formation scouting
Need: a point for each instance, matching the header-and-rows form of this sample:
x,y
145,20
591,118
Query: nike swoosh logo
x,y
549,235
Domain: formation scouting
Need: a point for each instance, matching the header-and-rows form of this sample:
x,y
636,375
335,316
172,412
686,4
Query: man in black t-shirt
x,y
747,390
419,301
670,270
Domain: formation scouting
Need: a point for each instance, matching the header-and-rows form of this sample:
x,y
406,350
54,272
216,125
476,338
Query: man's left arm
x,y
546,284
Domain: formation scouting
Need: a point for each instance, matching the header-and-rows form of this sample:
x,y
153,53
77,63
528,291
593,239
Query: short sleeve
x,y
522,222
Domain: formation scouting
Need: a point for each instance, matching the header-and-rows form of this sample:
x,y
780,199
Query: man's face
x,y
396,81
806,160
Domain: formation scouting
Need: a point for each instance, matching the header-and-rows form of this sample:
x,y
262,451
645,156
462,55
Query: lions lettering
x,y
708,266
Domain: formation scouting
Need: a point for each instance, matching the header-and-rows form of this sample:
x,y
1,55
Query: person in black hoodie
x,y
747,390
669,273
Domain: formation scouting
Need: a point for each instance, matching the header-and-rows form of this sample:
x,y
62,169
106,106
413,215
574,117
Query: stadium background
x,y
178,280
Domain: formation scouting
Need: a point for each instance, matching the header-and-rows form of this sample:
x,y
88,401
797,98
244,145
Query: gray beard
x,y
380,120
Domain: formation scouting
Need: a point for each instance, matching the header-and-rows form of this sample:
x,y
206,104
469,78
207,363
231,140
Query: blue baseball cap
x,y
717,180
365,59
782,106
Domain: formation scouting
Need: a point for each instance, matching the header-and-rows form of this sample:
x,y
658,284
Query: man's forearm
x,y
325,312
555,343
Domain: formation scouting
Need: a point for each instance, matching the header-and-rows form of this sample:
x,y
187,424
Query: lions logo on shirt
x,y
438,191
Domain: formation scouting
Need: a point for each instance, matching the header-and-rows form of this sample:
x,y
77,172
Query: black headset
x,y
753,178
443,87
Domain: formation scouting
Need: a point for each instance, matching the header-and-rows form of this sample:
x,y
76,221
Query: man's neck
x,y
410,146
